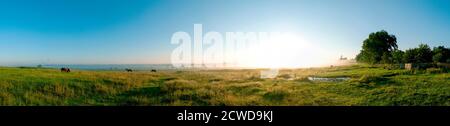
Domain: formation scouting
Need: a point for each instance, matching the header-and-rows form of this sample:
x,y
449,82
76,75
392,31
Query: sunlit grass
x,y
367,86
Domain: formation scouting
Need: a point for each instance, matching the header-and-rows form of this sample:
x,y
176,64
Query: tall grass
x,y
367,86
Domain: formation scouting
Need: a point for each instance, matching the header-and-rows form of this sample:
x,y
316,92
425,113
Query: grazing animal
x,y
65,69
129,70
153,70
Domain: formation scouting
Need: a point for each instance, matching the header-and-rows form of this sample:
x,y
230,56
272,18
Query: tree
x,y
364,57
386,58
421,54
410,55
397,56
424,54
441,54
378,44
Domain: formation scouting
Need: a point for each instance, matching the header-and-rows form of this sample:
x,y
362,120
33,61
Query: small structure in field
x,y
408,66
343,58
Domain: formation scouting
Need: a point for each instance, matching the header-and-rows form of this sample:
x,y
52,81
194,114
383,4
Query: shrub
x,y
434,70
393,66
285,76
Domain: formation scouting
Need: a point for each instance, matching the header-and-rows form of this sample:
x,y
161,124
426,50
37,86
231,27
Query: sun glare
x,y
284,51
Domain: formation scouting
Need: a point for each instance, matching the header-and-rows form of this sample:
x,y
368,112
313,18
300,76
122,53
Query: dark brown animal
x,y
129,70
65,69
153,70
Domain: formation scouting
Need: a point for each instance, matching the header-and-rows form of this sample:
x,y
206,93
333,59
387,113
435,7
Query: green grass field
x,y
367,86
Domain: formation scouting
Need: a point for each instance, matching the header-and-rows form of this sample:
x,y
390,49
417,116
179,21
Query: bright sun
x,y
283,51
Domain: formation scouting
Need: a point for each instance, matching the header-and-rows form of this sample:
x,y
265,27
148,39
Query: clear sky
x,y
139,31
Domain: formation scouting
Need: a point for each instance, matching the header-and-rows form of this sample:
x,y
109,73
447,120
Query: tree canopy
x,y
422,54
377,47
381,47
441,54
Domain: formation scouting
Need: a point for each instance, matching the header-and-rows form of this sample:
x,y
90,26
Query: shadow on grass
x,y
142,96
275,96
370,82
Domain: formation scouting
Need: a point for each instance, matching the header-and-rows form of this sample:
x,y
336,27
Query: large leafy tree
x,y
377,48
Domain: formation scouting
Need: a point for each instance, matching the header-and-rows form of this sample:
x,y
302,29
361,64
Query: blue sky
x,y
139,31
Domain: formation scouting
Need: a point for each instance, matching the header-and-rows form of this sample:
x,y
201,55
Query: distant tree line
x,y
381,47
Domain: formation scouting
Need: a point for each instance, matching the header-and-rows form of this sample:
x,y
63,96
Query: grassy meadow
x,y
367,86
